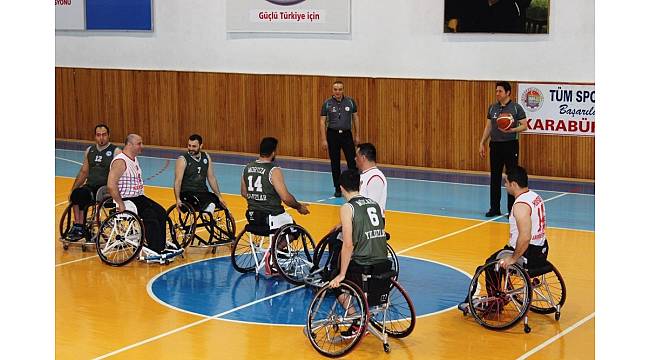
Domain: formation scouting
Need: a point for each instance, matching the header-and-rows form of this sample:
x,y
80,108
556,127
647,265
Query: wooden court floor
x,y
106,312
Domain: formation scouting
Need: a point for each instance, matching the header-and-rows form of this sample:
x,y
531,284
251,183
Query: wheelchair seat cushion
x,y
259,230
378,286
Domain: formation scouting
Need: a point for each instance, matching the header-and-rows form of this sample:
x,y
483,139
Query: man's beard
x,y
192,152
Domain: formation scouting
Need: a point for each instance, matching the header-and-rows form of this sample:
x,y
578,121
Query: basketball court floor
x,y
200,307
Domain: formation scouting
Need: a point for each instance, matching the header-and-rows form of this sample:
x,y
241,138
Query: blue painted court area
x,y
211,287
569,210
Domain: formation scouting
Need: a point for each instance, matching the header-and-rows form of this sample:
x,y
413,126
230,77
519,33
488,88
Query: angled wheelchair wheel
x,y
501,297
549,292
224,227
183,224
397,316
246,248
331,316
293,252
66,222
120,238
392,256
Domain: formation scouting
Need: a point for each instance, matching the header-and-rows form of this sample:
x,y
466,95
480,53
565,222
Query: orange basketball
x,y
505,121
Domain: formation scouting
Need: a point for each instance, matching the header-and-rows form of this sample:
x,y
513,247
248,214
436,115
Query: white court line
x,y
464,229
68,160
197,323
320,202
61,203
78,260
324,172
551,340
91,257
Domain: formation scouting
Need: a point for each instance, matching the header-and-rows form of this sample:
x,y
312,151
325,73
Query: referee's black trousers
x,y
502,154
335,142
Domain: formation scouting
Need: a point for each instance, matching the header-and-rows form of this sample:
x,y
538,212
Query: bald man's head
x,y
133,145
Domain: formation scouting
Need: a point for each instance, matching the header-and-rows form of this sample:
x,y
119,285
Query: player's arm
x,y
212,180
277,180
323,131
346,250
83,172
521,212
179,171
355,127
117,151
242,188
118,168
485,137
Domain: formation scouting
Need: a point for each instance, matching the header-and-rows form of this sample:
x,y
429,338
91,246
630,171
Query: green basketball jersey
x,y
99,164
196,172
368,236
261,195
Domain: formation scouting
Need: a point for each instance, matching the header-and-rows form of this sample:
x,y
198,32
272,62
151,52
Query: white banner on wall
x,y
288,16
70,15
559,109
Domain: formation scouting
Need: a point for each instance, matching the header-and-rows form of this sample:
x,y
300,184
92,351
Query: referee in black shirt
x,y
338,117
504,144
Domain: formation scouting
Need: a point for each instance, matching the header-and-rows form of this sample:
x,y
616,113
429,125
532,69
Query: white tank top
x,y
130,184
374,186
537,217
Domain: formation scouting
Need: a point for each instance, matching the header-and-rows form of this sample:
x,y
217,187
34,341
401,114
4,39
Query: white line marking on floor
x,y
196,323
92,257
551,340
465,229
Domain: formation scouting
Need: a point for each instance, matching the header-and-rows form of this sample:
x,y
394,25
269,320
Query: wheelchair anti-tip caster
x,y
527,329
557,316
386,348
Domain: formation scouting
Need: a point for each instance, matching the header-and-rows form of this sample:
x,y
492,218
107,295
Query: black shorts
x,y
83,196
201,200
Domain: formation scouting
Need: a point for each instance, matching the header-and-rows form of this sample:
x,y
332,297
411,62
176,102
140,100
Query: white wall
x,y
389,39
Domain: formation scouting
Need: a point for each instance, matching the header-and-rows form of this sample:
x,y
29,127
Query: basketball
x,y
505,121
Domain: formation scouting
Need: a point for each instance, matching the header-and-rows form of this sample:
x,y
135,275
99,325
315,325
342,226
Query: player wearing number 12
x,y
263,187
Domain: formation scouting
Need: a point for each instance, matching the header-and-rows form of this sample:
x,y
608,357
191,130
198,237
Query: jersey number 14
x,y
255,185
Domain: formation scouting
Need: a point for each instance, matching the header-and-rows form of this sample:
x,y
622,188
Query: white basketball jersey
x,y
130,183
374,186
537,217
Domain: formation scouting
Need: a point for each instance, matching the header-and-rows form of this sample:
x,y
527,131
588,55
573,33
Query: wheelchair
x,y
337,319
188,221
502,297
323,267
289,248
121,238
93,217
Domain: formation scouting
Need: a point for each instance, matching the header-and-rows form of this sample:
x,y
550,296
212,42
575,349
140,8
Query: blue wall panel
x,y
119,15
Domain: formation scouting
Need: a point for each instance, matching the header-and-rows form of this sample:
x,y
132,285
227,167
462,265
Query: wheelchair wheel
x,y
328,319
120,239
66,222
549,292
182,224
397,315
243,255
392,256
224,227
501,297
292,251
